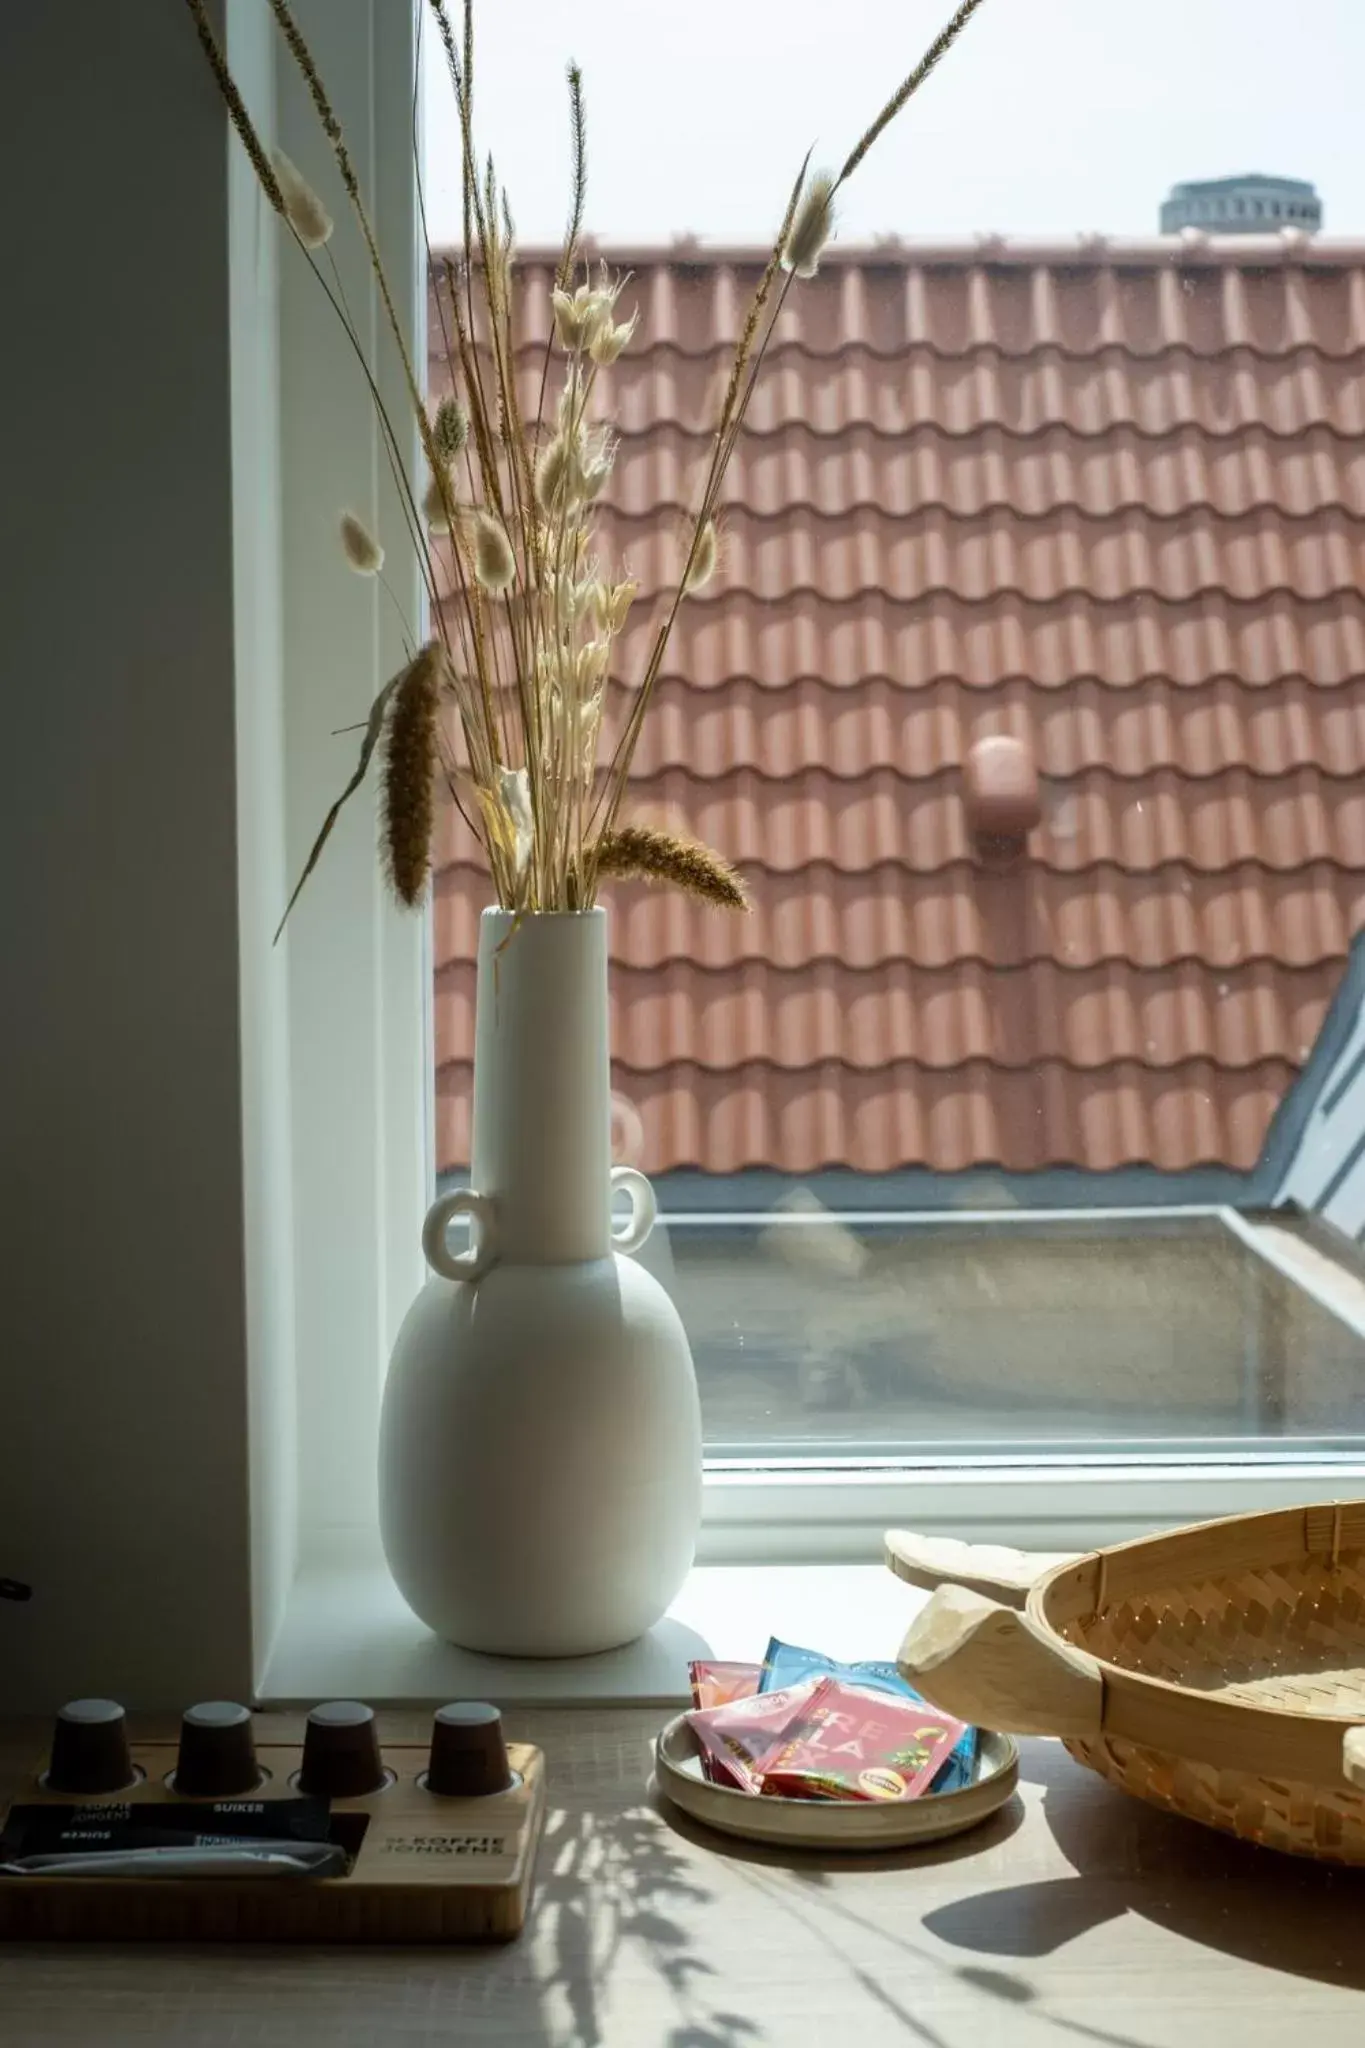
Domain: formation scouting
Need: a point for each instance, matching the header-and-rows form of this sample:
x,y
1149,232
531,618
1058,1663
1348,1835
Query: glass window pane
x,y
1026,697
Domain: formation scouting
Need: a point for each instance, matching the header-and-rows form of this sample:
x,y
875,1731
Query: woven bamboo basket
x,y
1216,1671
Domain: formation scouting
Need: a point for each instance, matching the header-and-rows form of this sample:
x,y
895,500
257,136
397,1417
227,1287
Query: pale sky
x,y
1049,117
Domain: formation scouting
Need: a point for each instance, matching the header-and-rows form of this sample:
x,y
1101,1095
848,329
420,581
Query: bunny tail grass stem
x,y
477,232
271,186
739,391
443,439
510,702
387,433
578,131
482,455
731,418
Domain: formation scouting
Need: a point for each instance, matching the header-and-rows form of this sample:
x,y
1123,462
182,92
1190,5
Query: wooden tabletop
x,y
1076,1916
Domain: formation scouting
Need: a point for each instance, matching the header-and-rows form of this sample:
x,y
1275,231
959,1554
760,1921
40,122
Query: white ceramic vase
x,y
540,1443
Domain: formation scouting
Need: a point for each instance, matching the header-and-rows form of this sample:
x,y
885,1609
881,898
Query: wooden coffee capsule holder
x,y
422,1866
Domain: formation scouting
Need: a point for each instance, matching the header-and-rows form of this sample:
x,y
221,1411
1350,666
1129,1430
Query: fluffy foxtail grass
x,y
451,428
610,338
494,563
705,555
437,501
360,547
411,759
812,227
637,852
555,475
303,210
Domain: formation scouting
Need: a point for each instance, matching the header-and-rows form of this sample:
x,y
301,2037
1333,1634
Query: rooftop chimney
x,y
1000,790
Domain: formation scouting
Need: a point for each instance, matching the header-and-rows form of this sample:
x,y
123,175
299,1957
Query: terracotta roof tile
x,y
1043,562
1197,732
818,1015
974,1116
1109,502
1126,644
1030,477
872,920
1093,818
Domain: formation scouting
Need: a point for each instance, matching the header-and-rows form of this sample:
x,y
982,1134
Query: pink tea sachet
x,y
851,1743
735,1737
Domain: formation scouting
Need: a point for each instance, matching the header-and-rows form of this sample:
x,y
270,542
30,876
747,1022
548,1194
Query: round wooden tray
x,y
854,1824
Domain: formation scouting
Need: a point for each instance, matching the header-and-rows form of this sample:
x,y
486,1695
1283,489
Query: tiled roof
x,y
1109,501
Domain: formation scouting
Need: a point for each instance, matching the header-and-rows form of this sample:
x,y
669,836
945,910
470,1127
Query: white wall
x,y
267,1148
123,1427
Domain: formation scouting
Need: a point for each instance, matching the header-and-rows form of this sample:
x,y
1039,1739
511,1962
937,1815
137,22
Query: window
x,y
972,1149
1013,1087
962,1145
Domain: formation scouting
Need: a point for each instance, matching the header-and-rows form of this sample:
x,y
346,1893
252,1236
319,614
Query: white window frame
x,y
360,979
360,997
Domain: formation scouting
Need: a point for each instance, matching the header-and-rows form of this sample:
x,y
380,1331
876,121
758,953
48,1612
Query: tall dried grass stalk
x,y
732,409
331,128
236,106
933,56
578,134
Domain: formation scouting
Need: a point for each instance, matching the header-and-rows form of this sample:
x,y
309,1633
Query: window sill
x,y
348,1632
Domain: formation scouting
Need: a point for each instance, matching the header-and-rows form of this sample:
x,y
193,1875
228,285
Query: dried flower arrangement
x,y
503,521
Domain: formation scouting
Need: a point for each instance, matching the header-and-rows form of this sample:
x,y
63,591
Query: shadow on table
x,y
1257,1905
612,1882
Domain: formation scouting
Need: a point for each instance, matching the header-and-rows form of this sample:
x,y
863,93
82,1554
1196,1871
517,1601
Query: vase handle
x,y
483,1236
643,1209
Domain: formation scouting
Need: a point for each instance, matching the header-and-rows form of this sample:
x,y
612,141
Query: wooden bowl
x,y
1216,1671
868,1825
